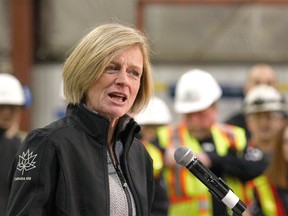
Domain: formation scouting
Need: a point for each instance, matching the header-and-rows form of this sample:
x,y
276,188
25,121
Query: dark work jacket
x,y
238,119
62,168
8,150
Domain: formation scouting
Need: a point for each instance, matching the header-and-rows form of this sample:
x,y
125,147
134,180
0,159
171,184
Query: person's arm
x,y
247,167
32,178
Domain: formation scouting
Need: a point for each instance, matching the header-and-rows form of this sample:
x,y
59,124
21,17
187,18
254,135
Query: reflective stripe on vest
x,y
270,202
183,187
157,157
234,138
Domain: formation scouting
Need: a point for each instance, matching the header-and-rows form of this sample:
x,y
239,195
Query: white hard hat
x,y
196,90
11,90
263,98
156,113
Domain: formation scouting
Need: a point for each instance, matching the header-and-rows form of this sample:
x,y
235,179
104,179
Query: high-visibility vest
x,y
157,158
187,194
270,202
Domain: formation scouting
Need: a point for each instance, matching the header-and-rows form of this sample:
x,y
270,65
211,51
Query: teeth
x,y
119,95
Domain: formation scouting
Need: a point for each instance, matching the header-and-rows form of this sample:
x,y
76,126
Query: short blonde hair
x,y
94,52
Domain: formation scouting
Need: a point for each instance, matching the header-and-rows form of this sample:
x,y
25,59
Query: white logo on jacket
x,y
26,161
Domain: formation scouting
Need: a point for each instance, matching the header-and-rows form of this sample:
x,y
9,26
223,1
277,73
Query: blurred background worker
x,y
258,74
270,190
155,115
264,109
197,93
12,101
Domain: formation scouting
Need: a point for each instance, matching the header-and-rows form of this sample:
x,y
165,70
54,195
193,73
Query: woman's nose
x,y
122,77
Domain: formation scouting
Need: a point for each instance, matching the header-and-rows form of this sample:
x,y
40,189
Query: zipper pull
x,y
121,177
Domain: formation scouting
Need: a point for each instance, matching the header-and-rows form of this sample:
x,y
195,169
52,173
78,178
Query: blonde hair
x,y
94,52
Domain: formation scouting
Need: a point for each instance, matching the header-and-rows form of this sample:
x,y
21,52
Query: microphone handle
x,y
217,187
208,178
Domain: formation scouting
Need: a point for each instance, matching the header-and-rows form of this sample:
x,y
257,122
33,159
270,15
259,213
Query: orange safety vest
x,y
270,202
187,194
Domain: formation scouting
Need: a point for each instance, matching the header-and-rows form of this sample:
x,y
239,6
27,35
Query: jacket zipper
x,y
125,188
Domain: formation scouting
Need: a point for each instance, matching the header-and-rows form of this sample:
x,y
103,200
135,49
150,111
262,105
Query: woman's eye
x,y
135,73
111,68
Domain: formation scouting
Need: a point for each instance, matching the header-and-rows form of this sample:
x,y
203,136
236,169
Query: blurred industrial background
x,y
223,37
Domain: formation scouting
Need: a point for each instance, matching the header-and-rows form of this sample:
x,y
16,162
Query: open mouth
x,y
118,97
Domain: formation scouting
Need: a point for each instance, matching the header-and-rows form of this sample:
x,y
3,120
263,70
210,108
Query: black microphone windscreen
x,y
183,155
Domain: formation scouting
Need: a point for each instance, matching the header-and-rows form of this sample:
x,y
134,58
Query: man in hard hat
x,y
258,74
11,102
216,145
156,114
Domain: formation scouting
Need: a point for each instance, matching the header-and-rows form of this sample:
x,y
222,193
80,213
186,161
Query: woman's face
x,y
265,126
114,93
285,144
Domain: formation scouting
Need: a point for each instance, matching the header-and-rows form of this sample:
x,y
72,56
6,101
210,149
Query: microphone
x,y
217,187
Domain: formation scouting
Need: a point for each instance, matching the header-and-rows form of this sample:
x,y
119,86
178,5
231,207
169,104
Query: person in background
x,y
218,146
258,74
156,115
15,129
270,190
90,162
264,109
11,102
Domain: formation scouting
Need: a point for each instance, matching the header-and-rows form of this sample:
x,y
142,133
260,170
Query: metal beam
x,y
22,46
272,2
141,4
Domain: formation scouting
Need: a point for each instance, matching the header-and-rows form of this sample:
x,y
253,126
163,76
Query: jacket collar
x,y
96,124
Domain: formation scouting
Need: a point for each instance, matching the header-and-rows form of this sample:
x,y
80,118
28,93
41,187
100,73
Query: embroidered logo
x,y
26,161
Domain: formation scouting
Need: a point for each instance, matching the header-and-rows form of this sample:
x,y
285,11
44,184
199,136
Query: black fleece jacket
x,y
61,169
